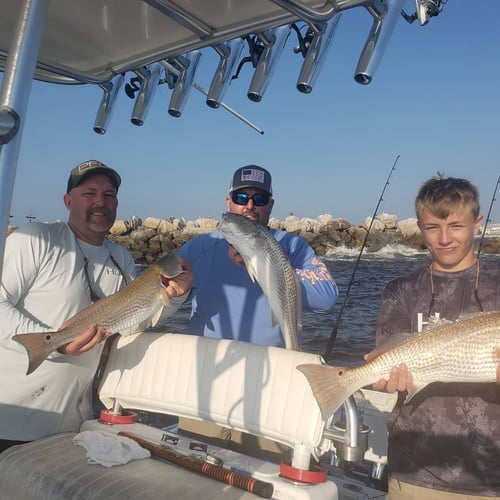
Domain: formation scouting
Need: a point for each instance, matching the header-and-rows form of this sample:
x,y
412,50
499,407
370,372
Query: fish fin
x,y
465,316
390,344
327,386
250,265
434,322
274,321
37,347
156,316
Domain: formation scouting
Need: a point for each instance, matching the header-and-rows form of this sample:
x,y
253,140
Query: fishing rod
x,y
333,335
487,218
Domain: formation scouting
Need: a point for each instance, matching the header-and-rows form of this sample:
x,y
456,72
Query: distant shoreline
x,y
326,234
149,239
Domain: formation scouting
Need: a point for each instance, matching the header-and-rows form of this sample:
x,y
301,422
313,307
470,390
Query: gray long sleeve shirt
x,y
448,436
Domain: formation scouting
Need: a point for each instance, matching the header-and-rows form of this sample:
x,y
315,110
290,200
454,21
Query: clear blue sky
x,y
435,101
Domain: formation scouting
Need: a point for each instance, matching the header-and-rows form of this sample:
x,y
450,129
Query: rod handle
x,y
261,488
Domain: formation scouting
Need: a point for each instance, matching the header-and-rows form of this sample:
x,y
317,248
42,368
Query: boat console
x,y
250,388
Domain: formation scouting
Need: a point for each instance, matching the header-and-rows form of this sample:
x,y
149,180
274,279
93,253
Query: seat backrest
x,y
252,388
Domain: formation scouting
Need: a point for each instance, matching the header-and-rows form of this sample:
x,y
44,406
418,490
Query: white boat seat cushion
x,y
252,388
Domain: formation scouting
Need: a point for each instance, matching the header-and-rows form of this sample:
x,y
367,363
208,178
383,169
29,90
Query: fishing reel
x,y
256,48
424,10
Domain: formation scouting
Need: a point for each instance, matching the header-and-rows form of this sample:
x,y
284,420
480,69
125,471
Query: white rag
x,y
109,449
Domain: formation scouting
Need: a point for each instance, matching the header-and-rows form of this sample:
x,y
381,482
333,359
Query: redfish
x,y
466,350
267,263
123,312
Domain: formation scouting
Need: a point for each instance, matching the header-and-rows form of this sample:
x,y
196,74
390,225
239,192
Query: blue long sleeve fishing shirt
x,y
227,304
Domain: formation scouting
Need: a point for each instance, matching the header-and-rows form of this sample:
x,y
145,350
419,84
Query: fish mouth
x,y
251,215
165,280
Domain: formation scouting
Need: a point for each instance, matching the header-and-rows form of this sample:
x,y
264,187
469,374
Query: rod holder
x,y
229,55
315,57
105,111
274,42
385,15
149,77
187,65
349,434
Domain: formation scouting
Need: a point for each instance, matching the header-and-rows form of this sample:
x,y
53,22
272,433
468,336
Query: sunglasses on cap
x,y
259,199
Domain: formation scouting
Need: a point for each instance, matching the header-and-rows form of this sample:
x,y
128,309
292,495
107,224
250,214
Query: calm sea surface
x,y
354,322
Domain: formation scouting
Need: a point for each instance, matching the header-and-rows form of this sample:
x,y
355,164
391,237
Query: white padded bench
x,y
251,388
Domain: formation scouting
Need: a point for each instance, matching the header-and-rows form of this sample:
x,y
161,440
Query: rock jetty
x,y
147,240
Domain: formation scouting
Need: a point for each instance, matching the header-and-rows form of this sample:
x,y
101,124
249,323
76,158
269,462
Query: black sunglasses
x,y
259,199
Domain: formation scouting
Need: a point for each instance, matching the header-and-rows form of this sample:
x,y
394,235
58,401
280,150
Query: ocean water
x,y
353,318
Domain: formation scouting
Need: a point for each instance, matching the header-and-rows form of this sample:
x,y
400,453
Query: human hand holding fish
x,y
400,378
181,284
236,257
86,341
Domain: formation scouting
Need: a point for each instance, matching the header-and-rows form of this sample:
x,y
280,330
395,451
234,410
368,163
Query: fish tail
x,y
36,346
328,387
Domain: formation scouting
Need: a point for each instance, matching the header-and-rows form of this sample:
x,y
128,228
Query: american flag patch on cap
x,y
252,174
